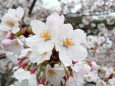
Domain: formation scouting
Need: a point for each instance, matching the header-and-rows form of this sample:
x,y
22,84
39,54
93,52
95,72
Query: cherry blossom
x,y
69,44
10,20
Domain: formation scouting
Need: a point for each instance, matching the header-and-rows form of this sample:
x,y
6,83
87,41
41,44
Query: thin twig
x,y
32,6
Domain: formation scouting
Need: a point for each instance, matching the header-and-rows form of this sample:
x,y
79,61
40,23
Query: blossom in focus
x,y
69,44
54,33
43,41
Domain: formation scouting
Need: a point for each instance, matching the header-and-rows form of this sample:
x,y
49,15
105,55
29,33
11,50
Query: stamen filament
x,y
68,42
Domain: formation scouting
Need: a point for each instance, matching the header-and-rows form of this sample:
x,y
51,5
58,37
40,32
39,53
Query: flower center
x,y
113,83
17,43
43,53
10,23
16,16
45,35
68,42
52,73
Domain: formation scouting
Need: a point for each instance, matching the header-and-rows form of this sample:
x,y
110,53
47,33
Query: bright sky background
x,y
56,5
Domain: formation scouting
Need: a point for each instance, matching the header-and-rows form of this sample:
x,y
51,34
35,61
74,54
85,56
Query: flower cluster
x,y
81,72
51,53
10,21
98,43
9,27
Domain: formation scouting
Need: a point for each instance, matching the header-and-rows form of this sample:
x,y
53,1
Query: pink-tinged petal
x,y
11,36
16,46
6,44
21,60
81,68
55,20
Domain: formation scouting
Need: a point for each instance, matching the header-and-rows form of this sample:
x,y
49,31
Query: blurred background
x,y
95,17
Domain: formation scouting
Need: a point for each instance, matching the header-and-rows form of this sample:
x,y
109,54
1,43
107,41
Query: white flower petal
x,y
100,83
16,13
71,82
32,81
38,57
25,52
37,26
77,52
63,33
55,20
65,30
15,29
35,42
65,59
57,77
5,28
21,74
81,68
23,83
19,12
16,46
13,58
46,46
32,41
79,36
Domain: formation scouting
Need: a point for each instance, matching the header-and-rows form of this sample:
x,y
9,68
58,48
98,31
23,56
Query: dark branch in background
x,y
2,56
32,6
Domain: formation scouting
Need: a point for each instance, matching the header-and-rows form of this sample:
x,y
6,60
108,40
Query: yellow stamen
x,y
68,42
17,43
16,16
43,53
10,23
52,73
45,35
113,83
